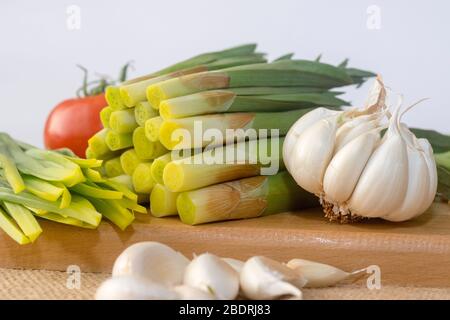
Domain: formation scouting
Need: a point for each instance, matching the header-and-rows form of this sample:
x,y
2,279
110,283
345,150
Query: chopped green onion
x,y
24,219
8,225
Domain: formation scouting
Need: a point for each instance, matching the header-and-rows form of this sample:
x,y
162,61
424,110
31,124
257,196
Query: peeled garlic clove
x,y
209,273
300,126
311,157
237,265
345,168
152,261
318,274
189,293
264,279
133,288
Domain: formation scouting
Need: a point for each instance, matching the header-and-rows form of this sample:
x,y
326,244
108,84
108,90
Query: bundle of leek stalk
x,y
231,89
57,186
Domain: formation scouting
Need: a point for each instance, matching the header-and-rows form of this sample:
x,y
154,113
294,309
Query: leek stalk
x,y
231,162
217,101
245,198
173,138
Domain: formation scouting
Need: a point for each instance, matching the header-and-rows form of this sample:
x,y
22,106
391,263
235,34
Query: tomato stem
x,y
98,86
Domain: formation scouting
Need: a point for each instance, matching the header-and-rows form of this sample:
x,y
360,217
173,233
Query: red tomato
x,y
72,122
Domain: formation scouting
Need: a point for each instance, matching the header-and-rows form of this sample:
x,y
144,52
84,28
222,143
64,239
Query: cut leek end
x,y
126,97
114,122
113,168
155,95
167,135
173,177
157,171
105,115
146,149
186,209
144,111
165,110
112,96
118,141
97,144
162,202
129,161
142,178
152,127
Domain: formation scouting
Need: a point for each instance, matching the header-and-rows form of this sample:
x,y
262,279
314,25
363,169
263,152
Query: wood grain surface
x,y
414,253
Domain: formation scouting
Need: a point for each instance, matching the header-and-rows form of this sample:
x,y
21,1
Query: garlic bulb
x,y
153,261
209,273
133,288
266,279
342,158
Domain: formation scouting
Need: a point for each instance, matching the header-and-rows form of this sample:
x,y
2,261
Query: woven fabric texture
x,y
41,284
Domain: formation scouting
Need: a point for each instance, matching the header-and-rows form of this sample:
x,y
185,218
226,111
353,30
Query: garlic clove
x,y
152,261
237,265
190,293
417,188
133,288
432,173
381,187
264,278
209,273
345,136
310,157
318,274
300,126
345,168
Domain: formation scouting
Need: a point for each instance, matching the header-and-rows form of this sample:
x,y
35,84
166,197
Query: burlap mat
x,y
40,284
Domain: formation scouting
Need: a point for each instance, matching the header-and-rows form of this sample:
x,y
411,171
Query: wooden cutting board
x,y
411,253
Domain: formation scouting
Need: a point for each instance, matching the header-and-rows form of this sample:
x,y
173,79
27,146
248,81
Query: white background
x,y
38,53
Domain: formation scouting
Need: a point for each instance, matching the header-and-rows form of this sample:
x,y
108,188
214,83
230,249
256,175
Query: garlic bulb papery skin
x,y
153,261
266,279
343,159
318,274
209,273
189,293
133,288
